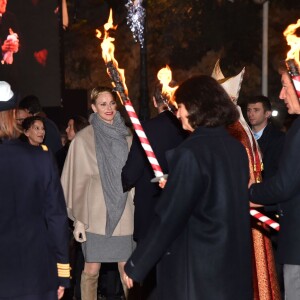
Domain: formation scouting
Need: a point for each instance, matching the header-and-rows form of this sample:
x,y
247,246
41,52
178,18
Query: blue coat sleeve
x,y
285,183
57,224
134,165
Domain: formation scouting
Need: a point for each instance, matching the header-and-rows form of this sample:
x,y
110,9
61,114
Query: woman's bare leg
x,y
121,271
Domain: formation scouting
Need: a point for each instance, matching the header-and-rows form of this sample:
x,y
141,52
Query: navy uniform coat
x,y
284,188
164,132
201,234
33,222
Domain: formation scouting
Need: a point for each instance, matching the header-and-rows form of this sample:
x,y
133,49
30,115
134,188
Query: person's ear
x,y
29,114
268,114
94,108
26,133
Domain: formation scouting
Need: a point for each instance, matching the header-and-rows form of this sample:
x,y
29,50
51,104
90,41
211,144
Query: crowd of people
x,y
190,236
72,209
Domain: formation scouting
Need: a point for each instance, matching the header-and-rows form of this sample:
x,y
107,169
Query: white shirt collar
x,y
257,135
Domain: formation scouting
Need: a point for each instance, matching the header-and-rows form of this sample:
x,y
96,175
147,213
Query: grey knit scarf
x,y
111,154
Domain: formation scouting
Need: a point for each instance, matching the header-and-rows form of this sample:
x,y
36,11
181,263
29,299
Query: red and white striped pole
x,y
143,139
256,214
119,87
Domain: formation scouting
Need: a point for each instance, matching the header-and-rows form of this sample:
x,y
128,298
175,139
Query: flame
x,y
293,41
110,22
164,75
108,49
98,33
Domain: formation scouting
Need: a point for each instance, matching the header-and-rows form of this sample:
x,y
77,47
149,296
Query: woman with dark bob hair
x,y
200,238
33,130
207,102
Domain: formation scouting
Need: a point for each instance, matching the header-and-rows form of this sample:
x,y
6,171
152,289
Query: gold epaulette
x,y
63,270
44,147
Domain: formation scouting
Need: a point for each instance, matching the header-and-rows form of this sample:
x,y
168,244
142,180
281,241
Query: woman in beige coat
x,y
91,179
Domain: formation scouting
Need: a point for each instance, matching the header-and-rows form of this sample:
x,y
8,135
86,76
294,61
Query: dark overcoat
x,y
284,188
201,234
271,145
33,222
164,133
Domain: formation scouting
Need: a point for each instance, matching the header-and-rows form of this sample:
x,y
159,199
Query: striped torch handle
x,y
119,87
143,138
256,214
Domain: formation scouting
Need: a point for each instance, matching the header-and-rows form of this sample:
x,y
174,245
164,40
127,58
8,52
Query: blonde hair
x,y
8,125
99,90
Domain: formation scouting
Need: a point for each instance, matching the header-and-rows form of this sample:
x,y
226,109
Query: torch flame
x,y
98,33
293,41
108,49
110,22
164,75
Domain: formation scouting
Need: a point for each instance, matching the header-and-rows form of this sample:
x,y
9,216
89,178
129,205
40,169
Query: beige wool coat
x,y
83,189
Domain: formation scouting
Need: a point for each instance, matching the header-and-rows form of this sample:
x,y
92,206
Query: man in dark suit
x,y
270,141
164,133
284,188
269,138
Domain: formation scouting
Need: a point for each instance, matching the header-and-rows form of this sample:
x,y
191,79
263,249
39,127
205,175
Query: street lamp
x,y
265,46
265,21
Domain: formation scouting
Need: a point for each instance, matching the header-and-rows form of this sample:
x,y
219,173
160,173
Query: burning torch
x,y
164,76
292,61
118,81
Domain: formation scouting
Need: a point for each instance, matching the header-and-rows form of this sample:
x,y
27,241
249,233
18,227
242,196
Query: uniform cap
x,y
8,99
